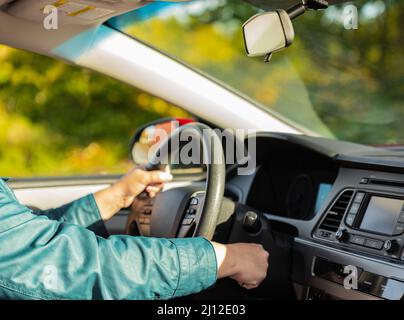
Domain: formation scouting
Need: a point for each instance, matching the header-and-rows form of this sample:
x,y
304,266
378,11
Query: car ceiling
x,y
21,21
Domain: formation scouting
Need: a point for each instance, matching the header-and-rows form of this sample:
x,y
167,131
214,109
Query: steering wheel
x,y
188,211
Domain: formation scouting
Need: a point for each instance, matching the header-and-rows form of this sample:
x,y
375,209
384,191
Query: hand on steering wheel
x,y
188,211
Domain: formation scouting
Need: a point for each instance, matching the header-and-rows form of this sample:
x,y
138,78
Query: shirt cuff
x,y
92,219
197,265
84,212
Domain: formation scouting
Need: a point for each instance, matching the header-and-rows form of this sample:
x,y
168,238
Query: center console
x,y
372,222
366,228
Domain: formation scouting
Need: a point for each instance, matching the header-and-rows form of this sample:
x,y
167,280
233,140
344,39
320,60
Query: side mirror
x,y
149,136
268,32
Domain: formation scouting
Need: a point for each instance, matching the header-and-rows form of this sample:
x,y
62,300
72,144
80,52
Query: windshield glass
x,y
341,78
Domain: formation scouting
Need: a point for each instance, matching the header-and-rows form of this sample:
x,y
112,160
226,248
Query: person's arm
x,y
47,259
90,211
246,263
83,212
119,267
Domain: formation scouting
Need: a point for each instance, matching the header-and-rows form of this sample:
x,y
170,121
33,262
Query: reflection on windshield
x,y
334,81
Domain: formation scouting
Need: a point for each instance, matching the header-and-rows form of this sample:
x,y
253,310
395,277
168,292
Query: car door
x,y
47,193
65,131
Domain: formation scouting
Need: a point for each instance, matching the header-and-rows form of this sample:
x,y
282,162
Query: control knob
x,y
391,246
342,235
252,222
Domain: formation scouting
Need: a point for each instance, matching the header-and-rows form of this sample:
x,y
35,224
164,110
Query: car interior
x,y
323,208
334,204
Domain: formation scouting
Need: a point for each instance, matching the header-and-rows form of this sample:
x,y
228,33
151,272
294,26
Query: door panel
x,y
51,197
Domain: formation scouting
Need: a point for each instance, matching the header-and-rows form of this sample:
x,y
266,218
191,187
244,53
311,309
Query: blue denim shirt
x,y
57,254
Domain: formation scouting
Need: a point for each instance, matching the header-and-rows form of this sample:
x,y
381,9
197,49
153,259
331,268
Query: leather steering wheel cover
x,y
215,176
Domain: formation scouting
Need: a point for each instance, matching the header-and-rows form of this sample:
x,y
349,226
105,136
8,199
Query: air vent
x,y
337,211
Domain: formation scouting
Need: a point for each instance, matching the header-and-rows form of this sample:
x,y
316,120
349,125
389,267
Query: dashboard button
x,y
401,217
354,208
359,197
364,181
399,229
324,234
342,235
374,244
391,246
350,219
357,240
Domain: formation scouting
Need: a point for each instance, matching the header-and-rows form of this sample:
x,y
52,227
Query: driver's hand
x,y
122,193
247,263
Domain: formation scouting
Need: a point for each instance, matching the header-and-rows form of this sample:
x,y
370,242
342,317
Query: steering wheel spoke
x,y
193,215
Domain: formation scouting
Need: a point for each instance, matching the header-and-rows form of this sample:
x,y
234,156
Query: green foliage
x,y
56,119
336,82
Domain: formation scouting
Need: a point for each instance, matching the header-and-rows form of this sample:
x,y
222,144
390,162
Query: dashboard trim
x,y
306,251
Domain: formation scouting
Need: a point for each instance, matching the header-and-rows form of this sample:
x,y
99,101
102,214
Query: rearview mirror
x,y
268,32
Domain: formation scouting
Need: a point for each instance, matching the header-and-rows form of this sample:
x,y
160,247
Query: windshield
x,y
341,78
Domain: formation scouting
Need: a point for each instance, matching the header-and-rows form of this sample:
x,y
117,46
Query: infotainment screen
x,y
324,190
381,215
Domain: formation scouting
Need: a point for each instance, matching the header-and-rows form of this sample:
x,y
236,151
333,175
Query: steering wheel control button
x,y
252,222
187,221
342,235
360,241
374,244
191,212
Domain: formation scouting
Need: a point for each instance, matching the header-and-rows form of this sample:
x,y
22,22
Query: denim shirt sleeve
x,y
83,212
41,258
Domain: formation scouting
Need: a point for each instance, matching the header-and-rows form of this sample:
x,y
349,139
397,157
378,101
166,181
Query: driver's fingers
x,y
250,286
152,190
155,187
157,177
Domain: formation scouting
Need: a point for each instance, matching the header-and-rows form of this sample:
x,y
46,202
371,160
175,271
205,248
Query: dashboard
x,y
291,181
343,204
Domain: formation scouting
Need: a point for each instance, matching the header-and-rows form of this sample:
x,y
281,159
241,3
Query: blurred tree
x,y
59,119
336,82
348,84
